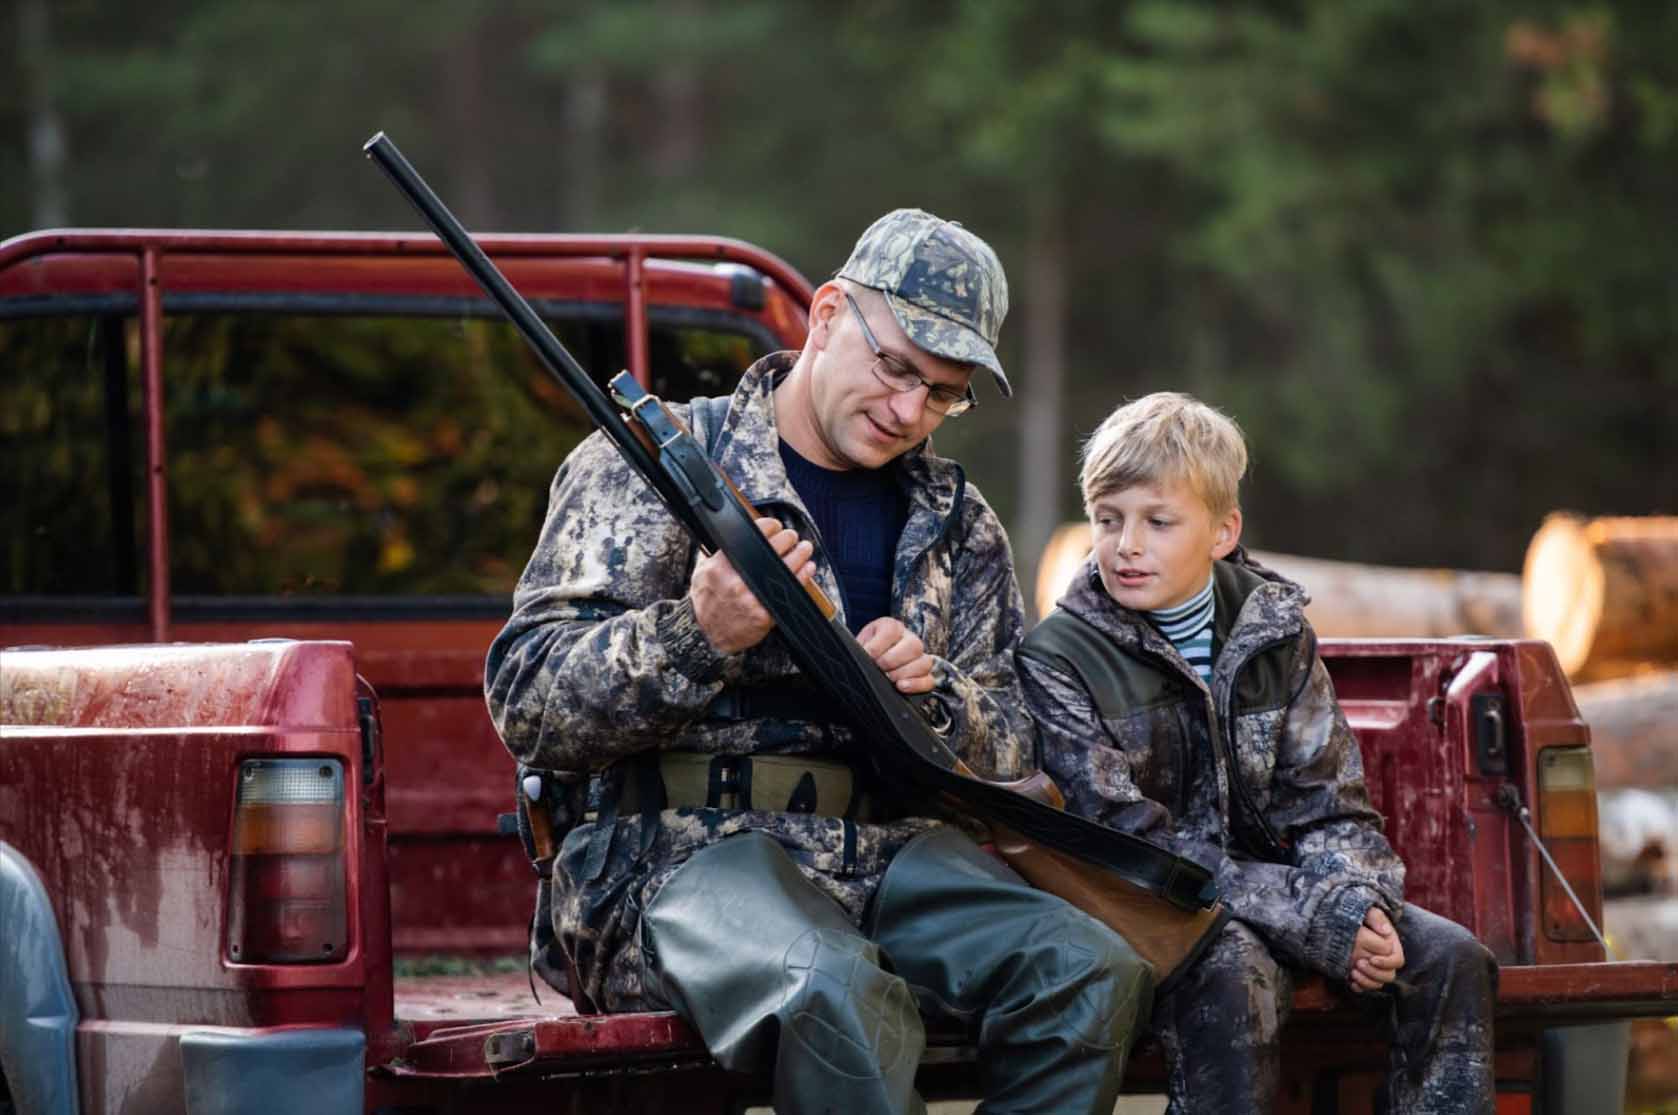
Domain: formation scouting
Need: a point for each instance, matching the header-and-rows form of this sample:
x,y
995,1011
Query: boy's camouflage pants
x,y
1221,1022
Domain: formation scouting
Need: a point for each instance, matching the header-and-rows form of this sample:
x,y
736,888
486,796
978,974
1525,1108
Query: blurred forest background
x,y
1422,251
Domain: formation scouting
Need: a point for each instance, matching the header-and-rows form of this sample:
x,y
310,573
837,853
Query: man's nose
x,y
1130,539
909,407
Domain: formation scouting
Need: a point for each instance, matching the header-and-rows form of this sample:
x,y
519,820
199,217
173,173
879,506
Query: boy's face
x,y
1155,543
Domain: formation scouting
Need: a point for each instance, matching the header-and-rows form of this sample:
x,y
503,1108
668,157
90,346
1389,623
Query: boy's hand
x,y
1376,954
898,652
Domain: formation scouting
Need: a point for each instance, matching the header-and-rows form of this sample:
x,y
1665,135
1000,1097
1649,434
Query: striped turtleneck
x,y
1189,627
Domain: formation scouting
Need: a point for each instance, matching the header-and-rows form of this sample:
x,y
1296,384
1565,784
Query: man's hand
x,y
729,613
898,652
1376,954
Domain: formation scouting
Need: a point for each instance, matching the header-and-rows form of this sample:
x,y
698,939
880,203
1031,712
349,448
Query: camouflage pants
x,y
1220,1025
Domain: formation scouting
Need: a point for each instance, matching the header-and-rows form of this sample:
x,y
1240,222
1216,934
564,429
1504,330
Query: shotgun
x,y
1164,905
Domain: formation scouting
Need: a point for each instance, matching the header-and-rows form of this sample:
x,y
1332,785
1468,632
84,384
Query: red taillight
x,y
1568,825
287,901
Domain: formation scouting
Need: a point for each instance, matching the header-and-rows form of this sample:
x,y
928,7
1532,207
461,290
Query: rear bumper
x,y
268,1073
1559,994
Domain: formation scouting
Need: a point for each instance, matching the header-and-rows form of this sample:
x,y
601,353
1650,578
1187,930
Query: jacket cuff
x,y
936,704
1334,929
689,652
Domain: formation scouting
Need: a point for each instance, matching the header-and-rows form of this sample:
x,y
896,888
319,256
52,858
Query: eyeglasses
x,y
895,374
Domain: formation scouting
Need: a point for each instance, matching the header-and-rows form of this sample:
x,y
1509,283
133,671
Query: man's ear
x,y
1227,536
825,306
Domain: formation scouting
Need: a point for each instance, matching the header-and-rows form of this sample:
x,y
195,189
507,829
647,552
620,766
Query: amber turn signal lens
x,y
1567,824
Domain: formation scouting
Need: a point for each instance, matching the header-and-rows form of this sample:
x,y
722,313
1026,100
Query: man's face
x,y
1155,543
861,422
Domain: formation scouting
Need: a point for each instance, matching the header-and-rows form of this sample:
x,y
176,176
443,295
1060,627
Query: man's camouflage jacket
x,y
1257,776
603,659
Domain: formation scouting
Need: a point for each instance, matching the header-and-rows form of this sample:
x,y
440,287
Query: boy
x,y
1204,720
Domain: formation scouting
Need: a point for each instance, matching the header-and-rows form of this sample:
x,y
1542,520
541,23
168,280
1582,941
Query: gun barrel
x,y
549,349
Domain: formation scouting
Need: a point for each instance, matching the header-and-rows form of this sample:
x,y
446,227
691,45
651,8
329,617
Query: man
x,y
734,863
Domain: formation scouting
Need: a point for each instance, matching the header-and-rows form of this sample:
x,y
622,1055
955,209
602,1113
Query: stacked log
x,y
1379,601
1634,729
1634,743
1347,598
1604,592
1637,832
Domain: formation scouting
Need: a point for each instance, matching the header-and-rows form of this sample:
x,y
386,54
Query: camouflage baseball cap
x,y
944,285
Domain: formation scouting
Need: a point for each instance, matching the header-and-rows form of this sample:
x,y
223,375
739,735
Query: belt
x,y
647,784
790,700
691,780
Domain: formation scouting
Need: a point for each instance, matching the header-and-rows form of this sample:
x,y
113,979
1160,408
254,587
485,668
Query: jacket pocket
x,y
1153,744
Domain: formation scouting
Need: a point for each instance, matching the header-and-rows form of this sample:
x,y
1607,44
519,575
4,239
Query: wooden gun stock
x,y
1165,935
1162,933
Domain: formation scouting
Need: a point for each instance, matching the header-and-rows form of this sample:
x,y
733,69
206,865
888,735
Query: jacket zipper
x,y
1212,728
1221,730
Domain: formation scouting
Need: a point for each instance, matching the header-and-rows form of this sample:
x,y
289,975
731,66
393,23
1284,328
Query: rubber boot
x,y
1054,995
770,971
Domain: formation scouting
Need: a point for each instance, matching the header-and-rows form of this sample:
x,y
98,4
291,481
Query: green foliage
x,y
1403,206
1419,250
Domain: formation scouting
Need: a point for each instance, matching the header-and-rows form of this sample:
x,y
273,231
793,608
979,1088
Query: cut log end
x,y
1603,592
1561,597
1068,546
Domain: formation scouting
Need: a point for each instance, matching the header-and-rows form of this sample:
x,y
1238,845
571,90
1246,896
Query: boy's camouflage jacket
x,y
1296,846
604,659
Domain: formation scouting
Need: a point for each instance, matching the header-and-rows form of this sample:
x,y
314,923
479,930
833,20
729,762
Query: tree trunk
x,y
469,116
1634,730
1349,599
583,171
673,155
1040,386
1604,592
47,147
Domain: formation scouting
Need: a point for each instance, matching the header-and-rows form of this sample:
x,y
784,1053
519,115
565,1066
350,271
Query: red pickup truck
x,y
268,495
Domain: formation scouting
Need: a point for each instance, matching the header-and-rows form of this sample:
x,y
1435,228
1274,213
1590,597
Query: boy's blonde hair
x,y
1164,437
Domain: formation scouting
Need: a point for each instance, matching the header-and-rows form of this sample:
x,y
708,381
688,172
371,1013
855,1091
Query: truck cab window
x,y
383,455
72,457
